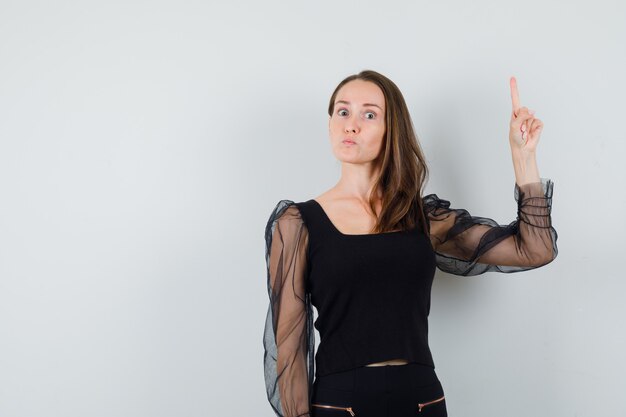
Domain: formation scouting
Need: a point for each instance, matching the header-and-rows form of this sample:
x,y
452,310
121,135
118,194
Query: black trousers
x,y
380,391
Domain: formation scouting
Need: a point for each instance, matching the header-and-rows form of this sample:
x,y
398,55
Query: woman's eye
x,y
340,112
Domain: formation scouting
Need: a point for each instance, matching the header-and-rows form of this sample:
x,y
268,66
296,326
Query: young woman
x,y
364,253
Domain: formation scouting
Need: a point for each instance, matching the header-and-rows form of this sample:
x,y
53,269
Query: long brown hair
x,y
403,171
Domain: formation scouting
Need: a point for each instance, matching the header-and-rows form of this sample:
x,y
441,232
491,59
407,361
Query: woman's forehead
x,y
359,92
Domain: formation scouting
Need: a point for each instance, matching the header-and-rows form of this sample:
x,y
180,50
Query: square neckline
x,y
340,233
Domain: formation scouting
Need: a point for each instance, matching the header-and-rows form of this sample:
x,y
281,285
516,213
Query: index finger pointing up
x,y
514,94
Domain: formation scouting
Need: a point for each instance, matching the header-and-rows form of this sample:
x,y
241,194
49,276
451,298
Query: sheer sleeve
x,y
289,338
471,245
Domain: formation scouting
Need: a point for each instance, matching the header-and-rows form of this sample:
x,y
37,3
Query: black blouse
x,y
305,254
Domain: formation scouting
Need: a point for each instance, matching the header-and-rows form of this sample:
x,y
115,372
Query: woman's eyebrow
x,y
365,104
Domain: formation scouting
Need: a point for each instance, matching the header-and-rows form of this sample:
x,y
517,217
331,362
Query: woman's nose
x,y
350,126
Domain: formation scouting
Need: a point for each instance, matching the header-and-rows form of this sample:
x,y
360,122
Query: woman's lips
x,y
349,142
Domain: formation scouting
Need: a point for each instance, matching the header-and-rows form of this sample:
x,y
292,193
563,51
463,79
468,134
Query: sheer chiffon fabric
x,y
464,245
289,337
471,245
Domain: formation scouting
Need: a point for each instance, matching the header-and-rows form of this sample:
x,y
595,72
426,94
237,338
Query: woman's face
x,y
359,117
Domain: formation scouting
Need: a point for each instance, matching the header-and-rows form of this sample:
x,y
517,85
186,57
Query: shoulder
x,y
284,209
286,212
432,203
281,206
286,224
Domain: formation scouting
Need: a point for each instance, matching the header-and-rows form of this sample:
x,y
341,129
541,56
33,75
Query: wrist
x,y
525,166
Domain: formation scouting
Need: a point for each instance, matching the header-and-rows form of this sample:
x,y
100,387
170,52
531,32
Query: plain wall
x,y
144,144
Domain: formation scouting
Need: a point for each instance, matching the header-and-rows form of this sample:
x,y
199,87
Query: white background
x,y
143,145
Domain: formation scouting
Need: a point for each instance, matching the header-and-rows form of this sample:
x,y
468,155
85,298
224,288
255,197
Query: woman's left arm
x,y
471,245
534,229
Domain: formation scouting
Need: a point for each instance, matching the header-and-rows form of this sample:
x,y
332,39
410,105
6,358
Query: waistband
x,y
380,378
